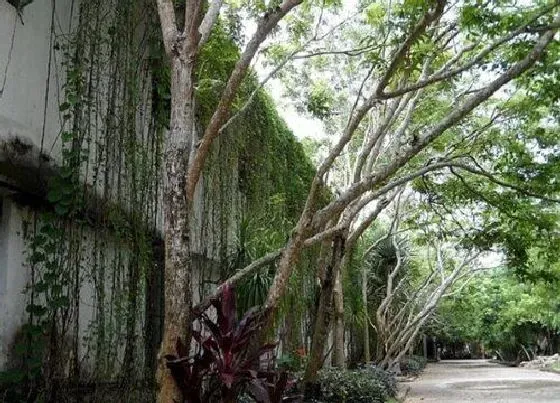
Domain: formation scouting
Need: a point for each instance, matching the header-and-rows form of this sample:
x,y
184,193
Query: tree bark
x,y
338,334
178,298
324,312
367,353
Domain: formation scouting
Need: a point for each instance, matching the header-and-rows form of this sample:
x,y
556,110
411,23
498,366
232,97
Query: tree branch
x,y
168,25
500,182
359,188
266,24
444,73
269,258
418,30
191,33
451,119
208,21
366,222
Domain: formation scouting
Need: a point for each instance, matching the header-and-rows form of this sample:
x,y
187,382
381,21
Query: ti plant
x,y
225,364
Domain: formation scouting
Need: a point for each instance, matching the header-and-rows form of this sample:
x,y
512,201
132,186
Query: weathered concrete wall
x,y
32,78
30,116
30,72
13,276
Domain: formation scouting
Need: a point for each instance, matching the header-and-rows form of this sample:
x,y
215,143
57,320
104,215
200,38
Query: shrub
x,y
412,364
368,385
225,366
388,379
291,362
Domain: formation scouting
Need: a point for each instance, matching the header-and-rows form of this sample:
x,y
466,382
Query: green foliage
x,y
412,364
319,99
374,13
367,385
292,362
274,173
504,312
217,60
513,207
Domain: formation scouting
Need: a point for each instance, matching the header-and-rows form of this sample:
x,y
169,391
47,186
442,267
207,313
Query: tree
x,y
398,322
405,78
185,153
398,121
506,312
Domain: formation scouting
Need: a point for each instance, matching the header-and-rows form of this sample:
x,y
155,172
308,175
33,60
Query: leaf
x,y
54,195
60,302
32,329
226,309
12,376
374,13
35,309
41,287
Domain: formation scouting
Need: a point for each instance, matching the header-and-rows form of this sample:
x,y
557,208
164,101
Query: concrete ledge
x,y
23,168
25,173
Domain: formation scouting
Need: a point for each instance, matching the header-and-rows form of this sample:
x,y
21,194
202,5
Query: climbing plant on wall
x,y
91,250
94,249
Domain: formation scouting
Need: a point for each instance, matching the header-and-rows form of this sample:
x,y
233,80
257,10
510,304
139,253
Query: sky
x,y
302,126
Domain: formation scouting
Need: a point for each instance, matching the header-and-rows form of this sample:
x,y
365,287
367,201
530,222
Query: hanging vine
x,y
94,250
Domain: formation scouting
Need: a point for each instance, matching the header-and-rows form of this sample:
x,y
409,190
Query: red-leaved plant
x,y
224,365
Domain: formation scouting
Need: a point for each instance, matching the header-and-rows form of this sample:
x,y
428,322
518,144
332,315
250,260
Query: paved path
x,y
482,381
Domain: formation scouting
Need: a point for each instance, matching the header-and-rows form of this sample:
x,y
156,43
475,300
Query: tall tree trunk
x,y
178,298
367,353
324,312
338,334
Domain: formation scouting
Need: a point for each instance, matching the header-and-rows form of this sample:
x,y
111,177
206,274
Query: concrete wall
x,y
13,276
30,115
29,95
32,77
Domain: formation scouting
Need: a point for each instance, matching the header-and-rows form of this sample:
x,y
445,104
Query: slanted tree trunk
x,y
351,239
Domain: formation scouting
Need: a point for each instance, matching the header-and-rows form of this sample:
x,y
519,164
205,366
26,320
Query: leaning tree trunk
x,y
178,298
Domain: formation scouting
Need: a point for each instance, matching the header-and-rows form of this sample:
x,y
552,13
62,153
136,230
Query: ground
x,y
482,381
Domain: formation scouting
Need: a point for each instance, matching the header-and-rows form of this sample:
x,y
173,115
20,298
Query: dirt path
x,y
481,381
